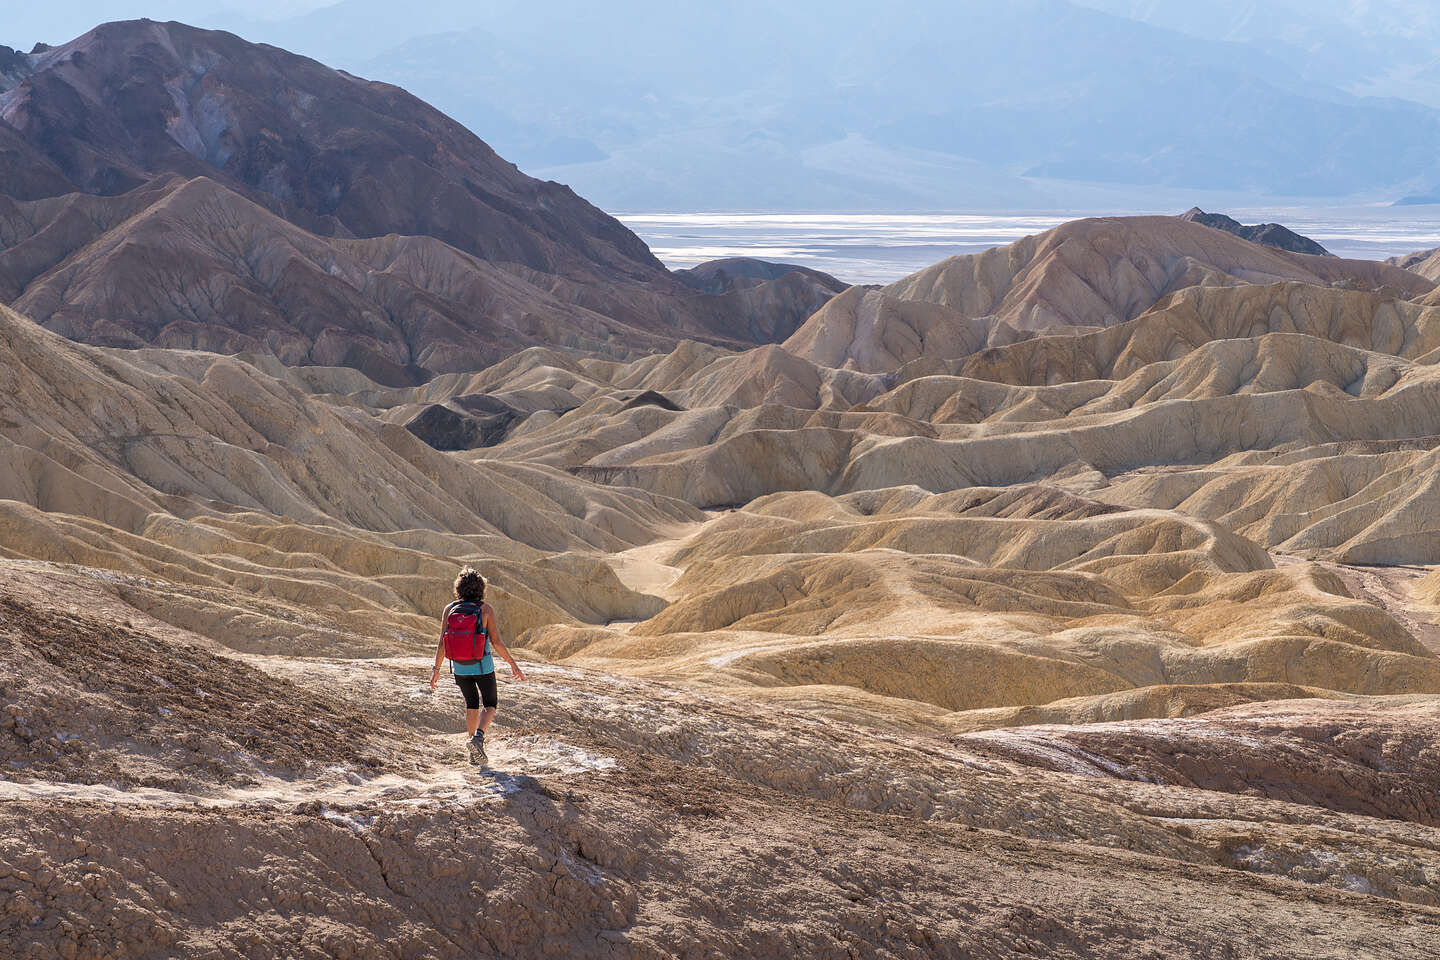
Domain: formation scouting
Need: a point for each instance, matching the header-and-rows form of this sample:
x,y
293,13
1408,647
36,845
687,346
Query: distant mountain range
x,y
913,105
1375,48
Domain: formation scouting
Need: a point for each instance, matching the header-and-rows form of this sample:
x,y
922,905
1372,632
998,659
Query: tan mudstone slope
x,y
980,618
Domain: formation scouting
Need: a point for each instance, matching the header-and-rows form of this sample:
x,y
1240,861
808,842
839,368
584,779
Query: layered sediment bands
x,y
1162,430
873,332
1154,287
1203,389
1360,503
1257,423
1197,316
204,268
196,265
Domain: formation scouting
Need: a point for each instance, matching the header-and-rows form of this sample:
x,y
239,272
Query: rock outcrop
x,y
1270,234
196,265
774,298
1424,262
335,154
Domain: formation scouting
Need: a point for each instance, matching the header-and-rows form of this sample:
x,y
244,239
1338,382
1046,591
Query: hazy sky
x,y
23,23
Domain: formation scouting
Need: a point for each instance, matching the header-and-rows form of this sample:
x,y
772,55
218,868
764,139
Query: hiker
x,y
468,634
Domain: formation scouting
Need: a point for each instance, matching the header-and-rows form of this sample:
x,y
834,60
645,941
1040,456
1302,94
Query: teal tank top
x,y
477,669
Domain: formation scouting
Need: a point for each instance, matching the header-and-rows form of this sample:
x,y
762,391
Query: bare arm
x,y
494,626
439,654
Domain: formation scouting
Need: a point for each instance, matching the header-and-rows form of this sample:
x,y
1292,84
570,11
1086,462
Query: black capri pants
x,y
476,689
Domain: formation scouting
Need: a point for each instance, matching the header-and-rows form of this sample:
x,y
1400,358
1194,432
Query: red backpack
x,y
466,639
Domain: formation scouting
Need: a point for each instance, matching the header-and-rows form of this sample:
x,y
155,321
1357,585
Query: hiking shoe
x,y
477,749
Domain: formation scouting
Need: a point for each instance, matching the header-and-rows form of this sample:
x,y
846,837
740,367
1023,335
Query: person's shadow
x,y
512,783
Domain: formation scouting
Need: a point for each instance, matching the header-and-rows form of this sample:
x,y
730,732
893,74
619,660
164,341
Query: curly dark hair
x,y
470,586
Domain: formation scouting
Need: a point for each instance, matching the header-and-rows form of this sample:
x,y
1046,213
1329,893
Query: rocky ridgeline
x,y
1270,234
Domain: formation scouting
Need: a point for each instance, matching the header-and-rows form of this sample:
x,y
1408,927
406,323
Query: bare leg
x,y
472,721
486,717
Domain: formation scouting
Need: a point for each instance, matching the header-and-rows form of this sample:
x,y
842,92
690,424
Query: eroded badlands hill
x,y
925,619
1077,277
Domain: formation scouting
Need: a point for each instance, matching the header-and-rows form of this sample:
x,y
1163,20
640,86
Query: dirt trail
x,y
514,763
643,570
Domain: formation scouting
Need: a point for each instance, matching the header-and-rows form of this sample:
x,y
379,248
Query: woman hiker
x,y
468,632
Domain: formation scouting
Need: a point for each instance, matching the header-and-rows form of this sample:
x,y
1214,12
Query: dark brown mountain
x,y
161,184
1270,234
736,273
756,299
336,154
